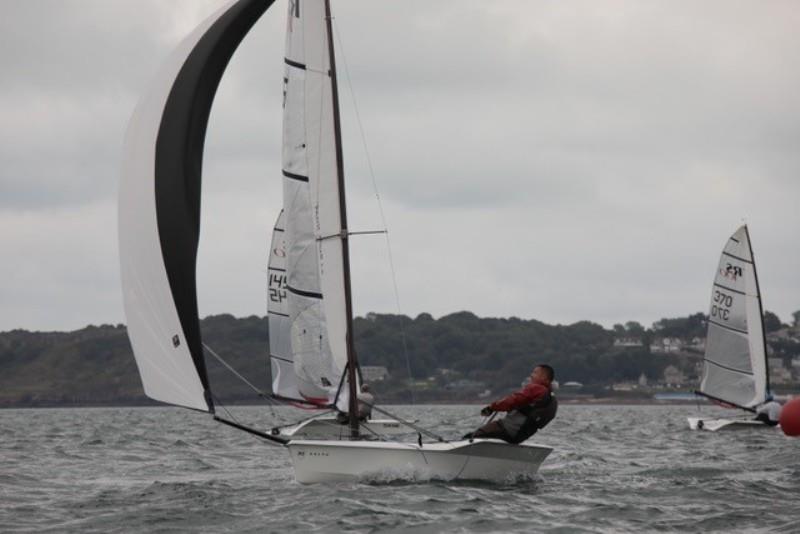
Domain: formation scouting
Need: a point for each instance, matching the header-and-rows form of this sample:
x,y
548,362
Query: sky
x,y
560,161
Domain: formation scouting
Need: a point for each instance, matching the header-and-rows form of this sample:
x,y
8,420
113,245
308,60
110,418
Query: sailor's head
x,y
543,374
364,388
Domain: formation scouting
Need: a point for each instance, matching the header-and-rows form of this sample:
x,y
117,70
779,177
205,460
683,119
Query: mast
x,y
760,307
351,353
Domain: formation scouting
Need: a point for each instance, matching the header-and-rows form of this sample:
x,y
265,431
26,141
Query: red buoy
x,y
790,417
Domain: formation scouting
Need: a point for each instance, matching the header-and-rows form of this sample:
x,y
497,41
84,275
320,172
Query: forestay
x,y
159,208
735,369
314,233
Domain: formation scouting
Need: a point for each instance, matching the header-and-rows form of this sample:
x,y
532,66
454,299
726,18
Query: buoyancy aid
x,y
530,418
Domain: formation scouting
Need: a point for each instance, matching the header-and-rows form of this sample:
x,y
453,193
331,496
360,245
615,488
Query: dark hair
x,y
551,375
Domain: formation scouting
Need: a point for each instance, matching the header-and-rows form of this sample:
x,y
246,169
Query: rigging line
x,y
225,409
232,370
233,422
407,423
380,207
365,425
303,420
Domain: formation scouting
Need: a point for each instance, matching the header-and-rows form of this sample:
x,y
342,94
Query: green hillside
x,y
453,358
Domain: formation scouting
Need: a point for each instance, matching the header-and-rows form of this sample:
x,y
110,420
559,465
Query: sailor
x,y
529,409
365,402
769,413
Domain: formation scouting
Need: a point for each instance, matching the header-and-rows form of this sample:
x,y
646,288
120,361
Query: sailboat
x,y
735,371
159,225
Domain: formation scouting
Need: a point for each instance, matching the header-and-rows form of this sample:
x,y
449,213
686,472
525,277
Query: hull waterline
x,y
491,460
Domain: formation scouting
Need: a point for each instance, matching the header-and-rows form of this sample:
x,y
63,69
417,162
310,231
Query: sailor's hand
x,y
487,411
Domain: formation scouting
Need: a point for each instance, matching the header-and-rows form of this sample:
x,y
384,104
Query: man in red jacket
x,y
529,409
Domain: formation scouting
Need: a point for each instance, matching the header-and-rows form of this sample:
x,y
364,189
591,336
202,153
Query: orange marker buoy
x,y
790,417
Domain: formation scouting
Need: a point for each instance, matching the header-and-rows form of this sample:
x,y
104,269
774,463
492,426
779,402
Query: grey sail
x,y
735,367
312,202
159,208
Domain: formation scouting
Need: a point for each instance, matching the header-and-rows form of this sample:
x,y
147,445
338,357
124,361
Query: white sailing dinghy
x,y
159,224
735,362
285,383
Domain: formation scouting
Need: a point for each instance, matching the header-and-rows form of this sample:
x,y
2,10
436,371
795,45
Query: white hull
x,y
713,424
492,460
327,428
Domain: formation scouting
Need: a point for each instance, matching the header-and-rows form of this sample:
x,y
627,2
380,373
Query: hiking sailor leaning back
x,y
529,409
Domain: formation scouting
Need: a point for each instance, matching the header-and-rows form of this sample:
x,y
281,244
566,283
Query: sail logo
x,y
731,271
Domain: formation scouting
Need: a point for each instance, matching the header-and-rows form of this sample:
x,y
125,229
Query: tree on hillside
x,y
682,327
771,322
634,329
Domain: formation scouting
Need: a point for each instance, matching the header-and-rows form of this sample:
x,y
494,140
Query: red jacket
x,y
527,395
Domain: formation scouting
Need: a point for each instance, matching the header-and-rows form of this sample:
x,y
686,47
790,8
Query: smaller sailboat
x,y
735,372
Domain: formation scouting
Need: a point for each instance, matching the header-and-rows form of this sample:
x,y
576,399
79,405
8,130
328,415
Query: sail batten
x,y
735,369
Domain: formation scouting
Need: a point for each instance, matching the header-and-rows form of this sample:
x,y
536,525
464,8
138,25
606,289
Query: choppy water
x,y
614,469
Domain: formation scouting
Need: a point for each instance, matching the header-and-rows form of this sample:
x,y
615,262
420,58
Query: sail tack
x,y
313,224
735,367
159,208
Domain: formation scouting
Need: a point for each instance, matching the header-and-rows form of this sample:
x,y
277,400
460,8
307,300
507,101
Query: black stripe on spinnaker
x,y
730,289
732,329
732,369
293,176
734,239
278,313
294,64
277,269
735,257
179,160
281,359
309,294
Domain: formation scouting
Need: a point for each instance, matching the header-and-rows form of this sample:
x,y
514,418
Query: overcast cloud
x,y
551,160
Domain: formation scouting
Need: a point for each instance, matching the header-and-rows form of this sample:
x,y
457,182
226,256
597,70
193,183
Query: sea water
x,y
614,469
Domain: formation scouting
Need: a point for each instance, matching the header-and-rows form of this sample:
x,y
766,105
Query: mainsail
x,y
735,369
159,208
315,220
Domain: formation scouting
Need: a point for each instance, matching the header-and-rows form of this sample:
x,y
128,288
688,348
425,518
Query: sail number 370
x,y
720,308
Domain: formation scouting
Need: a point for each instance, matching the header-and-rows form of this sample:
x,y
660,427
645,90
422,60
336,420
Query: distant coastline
x,y
456,359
